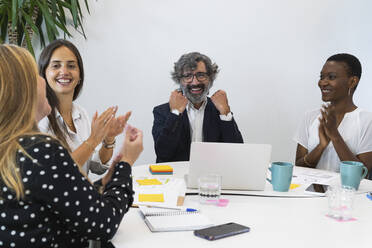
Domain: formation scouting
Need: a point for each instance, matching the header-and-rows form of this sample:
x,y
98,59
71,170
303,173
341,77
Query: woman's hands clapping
x,y
129,152
116,127
327,125
107,126
101,126
132,146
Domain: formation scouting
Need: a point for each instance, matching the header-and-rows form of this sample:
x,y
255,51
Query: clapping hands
x,y
117,126
107,126
129,152
327,124
132,146
101,125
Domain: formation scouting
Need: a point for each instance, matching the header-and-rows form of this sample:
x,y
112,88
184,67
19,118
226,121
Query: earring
x,y
349,91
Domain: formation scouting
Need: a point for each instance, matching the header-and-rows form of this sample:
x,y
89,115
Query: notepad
x,y
293,186
151,198
166,220
148,181
161,169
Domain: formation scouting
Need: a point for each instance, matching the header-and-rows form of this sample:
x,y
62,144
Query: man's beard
x,y
195,98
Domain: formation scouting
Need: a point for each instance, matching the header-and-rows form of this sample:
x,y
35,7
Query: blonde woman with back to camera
x,y
44,199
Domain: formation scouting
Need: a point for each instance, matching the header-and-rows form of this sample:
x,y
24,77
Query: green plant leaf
x,y
49,22
74,12
3,27
20,32
82,29
87,6
14,13
28,42
50,33
80,12
29,22
38,23
61,17
64,29
53,6
64,4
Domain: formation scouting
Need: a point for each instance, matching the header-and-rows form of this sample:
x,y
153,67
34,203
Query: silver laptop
x,y
242,166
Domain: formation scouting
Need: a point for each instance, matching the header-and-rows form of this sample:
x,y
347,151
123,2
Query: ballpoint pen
x,y
369,195
173,208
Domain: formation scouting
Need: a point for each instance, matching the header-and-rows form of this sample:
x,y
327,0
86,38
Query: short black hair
x,y
354,68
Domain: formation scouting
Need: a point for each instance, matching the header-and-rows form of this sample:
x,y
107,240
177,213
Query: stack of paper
x,y
161,191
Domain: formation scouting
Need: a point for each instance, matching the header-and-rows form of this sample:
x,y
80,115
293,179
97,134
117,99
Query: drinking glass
x,y
209,189
340,202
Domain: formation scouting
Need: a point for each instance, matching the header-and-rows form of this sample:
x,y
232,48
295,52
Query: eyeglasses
x,y
200,76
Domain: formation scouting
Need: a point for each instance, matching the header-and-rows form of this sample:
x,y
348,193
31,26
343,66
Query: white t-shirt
x,y
355,128
74,140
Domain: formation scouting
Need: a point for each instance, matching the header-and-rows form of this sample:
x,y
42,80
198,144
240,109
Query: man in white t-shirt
x,y
339,131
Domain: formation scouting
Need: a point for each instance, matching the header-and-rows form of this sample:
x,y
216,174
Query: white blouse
x,y
355,128
82,124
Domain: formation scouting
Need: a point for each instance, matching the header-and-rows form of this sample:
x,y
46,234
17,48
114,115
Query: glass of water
x,y
209,189
340,202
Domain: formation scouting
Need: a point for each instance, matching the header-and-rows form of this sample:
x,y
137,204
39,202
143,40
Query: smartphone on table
x,y
221,231
317,189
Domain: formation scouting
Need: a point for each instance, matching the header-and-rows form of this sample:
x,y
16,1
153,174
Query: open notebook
x,y
163,220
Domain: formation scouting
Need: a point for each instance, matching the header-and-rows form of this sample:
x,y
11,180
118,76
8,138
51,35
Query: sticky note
x,y
293,186
149,182
161,168
151,198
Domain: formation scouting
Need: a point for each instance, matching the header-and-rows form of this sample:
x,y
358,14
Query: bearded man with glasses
x,y
190,115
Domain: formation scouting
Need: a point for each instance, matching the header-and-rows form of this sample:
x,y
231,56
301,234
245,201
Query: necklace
x,y
71,123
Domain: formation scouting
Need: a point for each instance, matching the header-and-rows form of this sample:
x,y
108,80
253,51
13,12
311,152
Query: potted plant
x,y
21,19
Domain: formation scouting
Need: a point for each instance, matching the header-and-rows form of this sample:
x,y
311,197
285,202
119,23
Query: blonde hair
x,y
18,93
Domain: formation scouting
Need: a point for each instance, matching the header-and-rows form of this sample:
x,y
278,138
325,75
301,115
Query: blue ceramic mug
x,y
281,176
352,172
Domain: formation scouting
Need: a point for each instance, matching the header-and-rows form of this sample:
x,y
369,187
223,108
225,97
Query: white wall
x,y
270,53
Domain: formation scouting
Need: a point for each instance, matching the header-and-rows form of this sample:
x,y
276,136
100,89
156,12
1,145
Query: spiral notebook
x,y
166,220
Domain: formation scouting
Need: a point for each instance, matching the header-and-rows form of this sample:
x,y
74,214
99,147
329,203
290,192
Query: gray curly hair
x,y
189,61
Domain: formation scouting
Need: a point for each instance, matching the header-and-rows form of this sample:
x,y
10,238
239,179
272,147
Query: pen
x,y
369,195
173,208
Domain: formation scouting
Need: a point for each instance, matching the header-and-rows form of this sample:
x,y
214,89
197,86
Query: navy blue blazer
x,y
171,133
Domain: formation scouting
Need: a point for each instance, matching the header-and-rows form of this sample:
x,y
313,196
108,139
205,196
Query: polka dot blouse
x,y
60,208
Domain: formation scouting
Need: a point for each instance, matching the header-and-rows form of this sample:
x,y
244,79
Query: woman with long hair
x,y
44,199
339,131
61,65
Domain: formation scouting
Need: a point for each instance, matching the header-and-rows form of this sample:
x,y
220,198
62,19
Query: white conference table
x,y
294,221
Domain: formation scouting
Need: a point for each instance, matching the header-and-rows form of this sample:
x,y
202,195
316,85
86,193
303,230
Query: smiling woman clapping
x,y
61,66
339,131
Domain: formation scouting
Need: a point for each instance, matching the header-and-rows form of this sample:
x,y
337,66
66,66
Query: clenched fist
x,y
177,101
219,99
